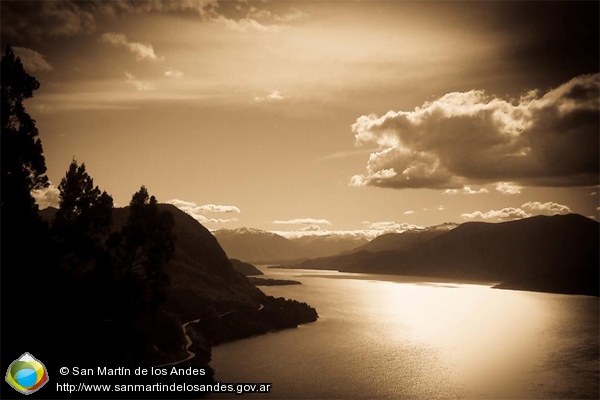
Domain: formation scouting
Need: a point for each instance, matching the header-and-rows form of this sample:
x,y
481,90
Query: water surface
x,y
394,337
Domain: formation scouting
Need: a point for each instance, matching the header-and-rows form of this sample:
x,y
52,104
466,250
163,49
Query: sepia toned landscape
x,y
301,199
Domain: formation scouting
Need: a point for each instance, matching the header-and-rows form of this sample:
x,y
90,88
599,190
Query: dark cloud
x,y
26,20
560,38
32,60
542,139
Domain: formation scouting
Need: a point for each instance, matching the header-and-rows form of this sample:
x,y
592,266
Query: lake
x,y
394,337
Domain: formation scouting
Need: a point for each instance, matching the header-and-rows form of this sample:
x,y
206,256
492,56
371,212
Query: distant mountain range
x,y
405,240
556,254
262,247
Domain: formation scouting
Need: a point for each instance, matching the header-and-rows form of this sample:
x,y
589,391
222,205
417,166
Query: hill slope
x,y
528,251
205,288
258,247
405,240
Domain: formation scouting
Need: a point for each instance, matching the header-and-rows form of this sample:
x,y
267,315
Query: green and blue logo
x,y
27,374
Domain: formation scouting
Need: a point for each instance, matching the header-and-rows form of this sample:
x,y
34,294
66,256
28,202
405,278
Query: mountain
x,y
245,268
329,244
405,240
525,252
258,247
218,302
262,247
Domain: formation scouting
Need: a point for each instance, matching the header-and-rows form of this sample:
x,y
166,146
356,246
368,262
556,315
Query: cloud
x,y
409,212
69,18
391,226
172,73
374,229
197,211
508,188
32,60
215,208
471,137
440,208
140,86
549,208
293,15
303,221
244,24
203,8
505,214
275,95
46,18
466,190
311,228
255,19
47,197
141,51
512,213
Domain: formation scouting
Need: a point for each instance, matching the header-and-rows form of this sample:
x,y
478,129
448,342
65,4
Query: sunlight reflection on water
x,y
405,338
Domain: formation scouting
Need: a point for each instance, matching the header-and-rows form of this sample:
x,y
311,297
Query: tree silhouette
x,y
83,217
23,163
27,262
80,282
149,243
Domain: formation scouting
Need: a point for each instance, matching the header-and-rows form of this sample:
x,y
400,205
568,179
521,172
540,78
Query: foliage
x,y
85,213
92,279
149,243
22,160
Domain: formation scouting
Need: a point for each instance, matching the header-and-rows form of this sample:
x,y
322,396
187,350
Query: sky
x,y
320,116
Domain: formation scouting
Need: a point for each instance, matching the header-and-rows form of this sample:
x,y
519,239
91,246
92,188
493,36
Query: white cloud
x,y
303,221
173,73
48,197
460,138
440,208
256,13
466,190
197,212
505,214
409,212
373,230
293,15
215,208
141,51
275,95
549,208
526,210
391,226
508,188
250,21
244,24
311,228
139,85
32,60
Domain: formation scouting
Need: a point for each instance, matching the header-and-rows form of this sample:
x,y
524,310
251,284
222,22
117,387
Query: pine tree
x,y
22,160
